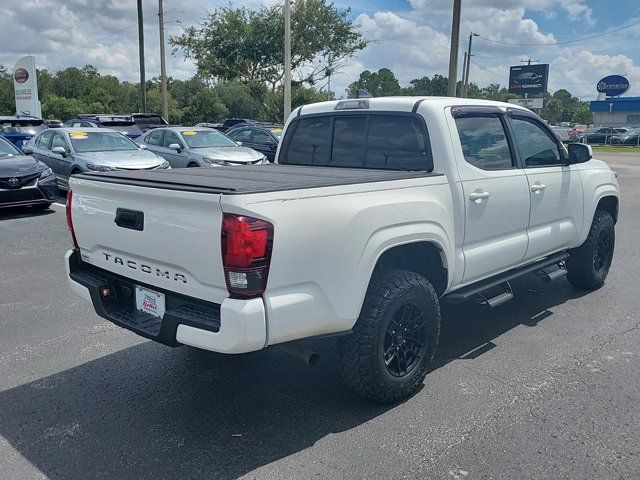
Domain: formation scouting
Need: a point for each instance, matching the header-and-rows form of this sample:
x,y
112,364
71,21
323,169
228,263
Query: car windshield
x,y
100,142
7,148
277,132
22,126
206,139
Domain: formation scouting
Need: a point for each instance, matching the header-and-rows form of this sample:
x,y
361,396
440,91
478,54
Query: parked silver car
x,y
198,147
75,150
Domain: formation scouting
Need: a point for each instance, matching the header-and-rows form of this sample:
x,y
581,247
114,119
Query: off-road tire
x,y
362,355
582,265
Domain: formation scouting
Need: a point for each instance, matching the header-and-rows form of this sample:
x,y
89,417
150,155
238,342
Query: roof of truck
x,y
399,104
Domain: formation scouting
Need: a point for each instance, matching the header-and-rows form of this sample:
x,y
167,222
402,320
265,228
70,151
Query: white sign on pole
x,y
528,102
25,84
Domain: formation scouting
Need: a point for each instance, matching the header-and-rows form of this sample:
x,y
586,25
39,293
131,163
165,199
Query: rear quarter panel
x,y
327,242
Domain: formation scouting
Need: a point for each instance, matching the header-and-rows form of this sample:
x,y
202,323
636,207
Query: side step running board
x,y
478,288
498,298
551,273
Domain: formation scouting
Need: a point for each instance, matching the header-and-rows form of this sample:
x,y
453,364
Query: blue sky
x,y
409,36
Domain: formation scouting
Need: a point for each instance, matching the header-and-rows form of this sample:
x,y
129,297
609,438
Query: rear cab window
x,y
372,140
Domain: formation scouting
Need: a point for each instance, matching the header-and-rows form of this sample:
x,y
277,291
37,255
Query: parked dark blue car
x,y
20,129
124,124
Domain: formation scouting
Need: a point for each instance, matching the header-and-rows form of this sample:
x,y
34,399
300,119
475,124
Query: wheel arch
x,y
609,204
425,257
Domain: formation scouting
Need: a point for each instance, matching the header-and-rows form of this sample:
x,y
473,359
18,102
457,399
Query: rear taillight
x,y
70,220
246,254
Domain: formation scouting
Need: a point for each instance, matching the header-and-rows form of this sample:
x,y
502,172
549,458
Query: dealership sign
x,y
528,79
528,102
613,85
25,84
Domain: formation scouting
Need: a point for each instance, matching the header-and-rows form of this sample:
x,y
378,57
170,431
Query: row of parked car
x,y
599,135
32,154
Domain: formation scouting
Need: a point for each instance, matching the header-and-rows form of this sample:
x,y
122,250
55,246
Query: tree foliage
x,y
246,45
379,84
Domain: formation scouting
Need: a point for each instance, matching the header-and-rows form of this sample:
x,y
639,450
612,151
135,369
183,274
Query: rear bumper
x,y
235,326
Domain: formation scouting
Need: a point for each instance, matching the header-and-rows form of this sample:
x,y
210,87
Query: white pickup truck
x,y
376,211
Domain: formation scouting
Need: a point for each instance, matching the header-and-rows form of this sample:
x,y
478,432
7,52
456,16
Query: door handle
x,y
478,196
538,187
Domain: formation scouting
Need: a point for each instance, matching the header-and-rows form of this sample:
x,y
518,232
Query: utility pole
x,y
163,66
287,59
453,55
528,61
464,74
465,77
143,90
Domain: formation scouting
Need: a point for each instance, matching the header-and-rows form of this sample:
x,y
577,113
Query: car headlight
x,y
46,173
164,164
264,160
99,168
213,161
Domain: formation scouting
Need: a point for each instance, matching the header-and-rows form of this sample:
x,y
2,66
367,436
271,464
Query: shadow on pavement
x,y
153,412
22,212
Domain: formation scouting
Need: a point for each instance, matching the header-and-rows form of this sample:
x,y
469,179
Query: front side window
x,y
59,141
171,138
262,138
484,142
44,140
154,138
535,146
388,142
243,135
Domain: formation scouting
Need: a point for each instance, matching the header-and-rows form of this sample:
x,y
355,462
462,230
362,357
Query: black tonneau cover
x,y
251,178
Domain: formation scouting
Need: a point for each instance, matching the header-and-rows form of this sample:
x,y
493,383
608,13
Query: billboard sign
x,y
529,79
613,85
528,102
25,84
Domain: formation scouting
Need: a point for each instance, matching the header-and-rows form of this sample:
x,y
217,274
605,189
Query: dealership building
x,y
616,111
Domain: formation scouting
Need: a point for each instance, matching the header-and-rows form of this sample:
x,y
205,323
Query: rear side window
x,y
484,142
391,142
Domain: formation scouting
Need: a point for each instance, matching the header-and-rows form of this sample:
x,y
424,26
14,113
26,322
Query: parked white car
x,y
378,210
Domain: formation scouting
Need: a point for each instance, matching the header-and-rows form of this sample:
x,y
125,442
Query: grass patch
x,y
610,149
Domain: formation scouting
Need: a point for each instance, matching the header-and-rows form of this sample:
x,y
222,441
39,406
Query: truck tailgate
x,y
166,238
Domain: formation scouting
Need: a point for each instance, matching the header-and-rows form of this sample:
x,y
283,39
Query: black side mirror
x,y
579,153
273,146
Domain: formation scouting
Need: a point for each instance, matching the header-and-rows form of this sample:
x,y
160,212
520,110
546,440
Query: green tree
x,y
7,98
241,44
299,96
379,84
240,100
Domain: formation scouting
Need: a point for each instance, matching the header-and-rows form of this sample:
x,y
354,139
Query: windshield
x,y
7,148
100,142
206,139
23,126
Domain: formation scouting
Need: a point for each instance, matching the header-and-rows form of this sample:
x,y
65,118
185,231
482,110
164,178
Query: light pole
x,y
143,89
287,59
163,66
453,55
465,77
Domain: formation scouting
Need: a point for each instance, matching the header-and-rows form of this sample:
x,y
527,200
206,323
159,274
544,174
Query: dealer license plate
x,y
149,301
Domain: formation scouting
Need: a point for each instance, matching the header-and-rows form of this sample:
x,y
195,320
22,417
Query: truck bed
x,y
251,178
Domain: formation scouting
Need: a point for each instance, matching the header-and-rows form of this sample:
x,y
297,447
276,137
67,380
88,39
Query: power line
x,y
597,35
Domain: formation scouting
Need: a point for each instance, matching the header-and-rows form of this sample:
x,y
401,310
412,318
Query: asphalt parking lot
x,y
546,386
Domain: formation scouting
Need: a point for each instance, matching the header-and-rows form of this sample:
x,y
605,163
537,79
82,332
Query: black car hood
x,y
19,166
